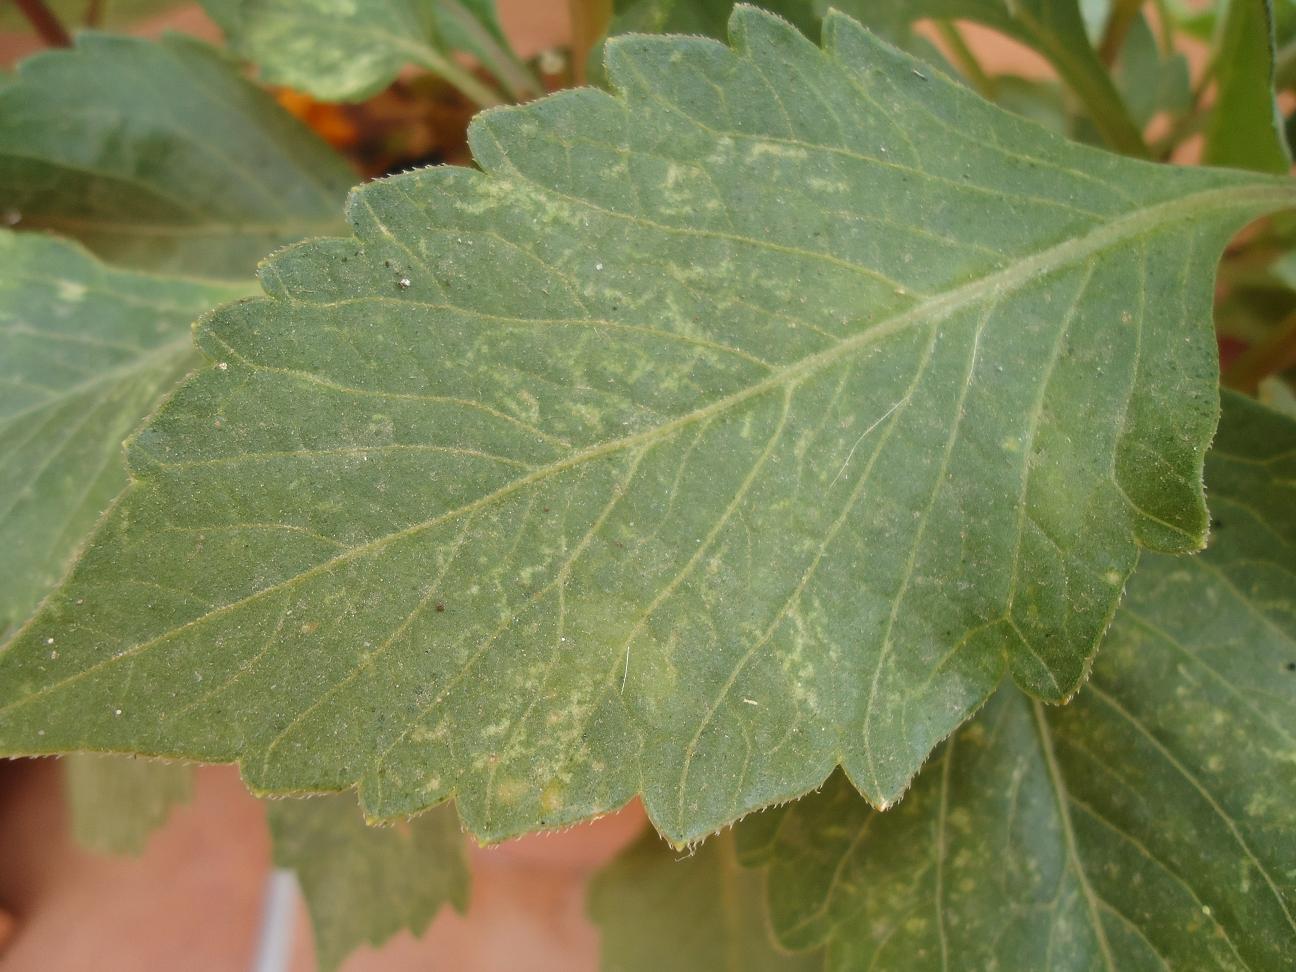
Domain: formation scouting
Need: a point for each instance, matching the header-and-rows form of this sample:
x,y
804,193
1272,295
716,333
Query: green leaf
x,y
85,353
159,155
1245,128
1149,824
1194,20
116,803
700,913
759,434
1053,28
710,18
347,50
1151,81
1096,14
364,884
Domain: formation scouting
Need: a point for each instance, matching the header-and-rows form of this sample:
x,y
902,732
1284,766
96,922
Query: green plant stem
x,y
1102,101
1165,26
520,82
966,59
1276,353
589,22
45,23
481,93
1088,82
1183,127
1190,122
1119,21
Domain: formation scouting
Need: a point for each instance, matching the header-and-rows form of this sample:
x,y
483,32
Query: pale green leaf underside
x,y
116,803
1151,824
364,884
85,352
750,422
160,155
702,913
345,50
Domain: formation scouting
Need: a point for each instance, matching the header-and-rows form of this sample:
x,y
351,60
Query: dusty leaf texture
x,y
753,420
1148,825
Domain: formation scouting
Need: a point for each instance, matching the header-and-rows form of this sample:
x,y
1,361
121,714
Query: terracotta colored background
x,y
193,900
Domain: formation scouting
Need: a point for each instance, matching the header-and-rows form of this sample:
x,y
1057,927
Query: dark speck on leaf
x,y
439,607
1291,666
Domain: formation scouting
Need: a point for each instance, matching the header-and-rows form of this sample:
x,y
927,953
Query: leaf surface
x,y
115,803
161,156
710,18
1245,128
347,50
1150,824
756,436
85,352
656,910
364,884
1053,28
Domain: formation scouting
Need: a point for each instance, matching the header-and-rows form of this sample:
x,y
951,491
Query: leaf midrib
x,y
1270,194
1057,782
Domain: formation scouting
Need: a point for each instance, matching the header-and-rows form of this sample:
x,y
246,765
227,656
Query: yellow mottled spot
x,y
828,185
69,291
510,791
777,150
551,798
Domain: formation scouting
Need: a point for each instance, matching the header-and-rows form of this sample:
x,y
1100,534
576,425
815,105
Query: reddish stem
x,y
42,19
